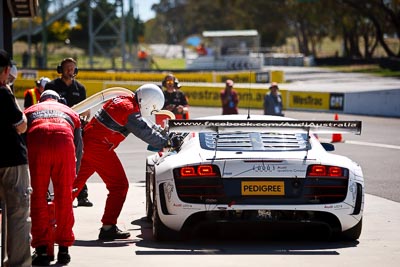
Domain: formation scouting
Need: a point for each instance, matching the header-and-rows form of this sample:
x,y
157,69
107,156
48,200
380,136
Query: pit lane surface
x,y
379,243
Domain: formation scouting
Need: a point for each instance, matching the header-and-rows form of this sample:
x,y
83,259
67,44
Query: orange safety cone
x,y
336,137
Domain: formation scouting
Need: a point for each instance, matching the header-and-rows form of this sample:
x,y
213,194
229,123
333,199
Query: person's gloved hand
x,y
84,120
175,140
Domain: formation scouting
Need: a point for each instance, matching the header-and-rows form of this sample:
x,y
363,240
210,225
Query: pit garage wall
x,y
203,89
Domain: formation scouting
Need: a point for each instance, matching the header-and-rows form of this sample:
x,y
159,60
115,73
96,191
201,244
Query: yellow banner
x,y
308,100
210,96
196,77
199,87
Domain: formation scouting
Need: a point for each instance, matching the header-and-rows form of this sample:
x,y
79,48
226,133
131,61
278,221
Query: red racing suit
x,y
105,131
54,143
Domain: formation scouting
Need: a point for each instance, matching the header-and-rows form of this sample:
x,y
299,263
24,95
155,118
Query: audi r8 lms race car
x,y
261,170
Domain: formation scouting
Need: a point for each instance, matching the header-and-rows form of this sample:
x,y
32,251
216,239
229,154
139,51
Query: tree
x,y
384,15
177,19
102,11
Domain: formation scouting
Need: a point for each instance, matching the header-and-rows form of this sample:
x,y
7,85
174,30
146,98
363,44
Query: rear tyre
x,y
160,231
353,233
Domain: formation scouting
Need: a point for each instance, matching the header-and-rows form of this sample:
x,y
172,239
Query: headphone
x,y
60,66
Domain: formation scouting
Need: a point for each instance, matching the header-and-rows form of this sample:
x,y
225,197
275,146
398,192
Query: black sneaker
x,y
40,257
84,202
63,256
113,233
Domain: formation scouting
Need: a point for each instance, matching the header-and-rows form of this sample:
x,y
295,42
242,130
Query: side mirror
x,y
152,149
328,146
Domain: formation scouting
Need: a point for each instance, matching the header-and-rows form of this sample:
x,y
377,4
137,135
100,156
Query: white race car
x,y
254,169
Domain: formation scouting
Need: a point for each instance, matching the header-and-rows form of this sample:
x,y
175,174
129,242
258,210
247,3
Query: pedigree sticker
x,y
309,100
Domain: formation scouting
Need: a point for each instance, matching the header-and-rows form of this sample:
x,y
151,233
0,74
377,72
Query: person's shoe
x,y
40,257
113,233
63,256
84,202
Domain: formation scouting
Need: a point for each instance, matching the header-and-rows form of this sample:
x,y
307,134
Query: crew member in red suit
x,y
54,144
106,130
72,92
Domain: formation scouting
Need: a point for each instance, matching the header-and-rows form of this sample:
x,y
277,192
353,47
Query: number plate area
x,y
263,188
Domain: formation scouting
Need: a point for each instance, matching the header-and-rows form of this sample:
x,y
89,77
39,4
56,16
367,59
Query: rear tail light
x,y
335,171
316,170
325,171
199,184
187,172
326,184
200,171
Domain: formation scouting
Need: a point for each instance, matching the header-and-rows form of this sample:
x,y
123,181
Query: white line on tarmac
x,y
322,140
372,144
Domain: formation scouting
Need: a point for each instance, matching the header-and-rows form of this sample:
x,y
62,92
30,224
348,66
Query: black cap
x,y
5,59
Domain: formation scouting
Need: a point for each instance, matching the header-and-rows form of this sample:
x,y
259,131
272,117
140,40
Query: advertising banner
x,y
309,100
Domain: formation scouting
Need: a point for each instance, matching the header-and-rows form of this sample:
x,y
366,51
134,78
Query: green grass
x,y
103,63
370,69
58,51
169,64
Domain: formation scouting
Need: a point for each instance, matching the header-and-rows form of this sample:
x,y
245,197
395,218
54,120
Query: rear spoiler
x,y
314,126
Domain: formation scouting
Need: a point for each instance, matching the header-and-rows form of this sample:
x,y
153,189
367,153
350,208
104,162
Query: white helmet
x,y
42,81
49,94
150,98
13,75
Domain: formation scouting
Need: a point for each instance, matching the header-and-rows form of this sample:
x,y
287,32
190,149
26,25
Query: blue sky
x,y
142,8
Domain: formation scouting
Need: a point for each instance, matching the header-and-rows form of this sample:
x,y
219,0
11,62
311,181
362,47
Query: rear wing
x,y
314,126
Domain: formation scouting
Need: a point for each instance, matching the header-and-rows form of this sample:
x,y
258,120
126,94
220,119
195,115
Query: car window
x,y
254,141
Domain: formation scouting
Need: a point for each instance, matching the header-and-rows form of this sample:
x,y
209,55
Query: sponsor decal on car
x,y
263,188
322,126
169,188
263,168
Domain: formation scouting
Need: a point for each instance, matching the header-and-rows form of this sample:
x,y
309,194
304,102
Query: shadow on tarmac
x,y
99,243
239,241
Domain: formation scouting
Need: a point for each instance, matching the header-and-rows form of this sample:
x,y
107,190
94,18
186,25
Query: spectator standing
x,y
26,59
106,130
175,100
72,92
201,50
273,101
229,99
54,145
143,58
32,96
15,187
